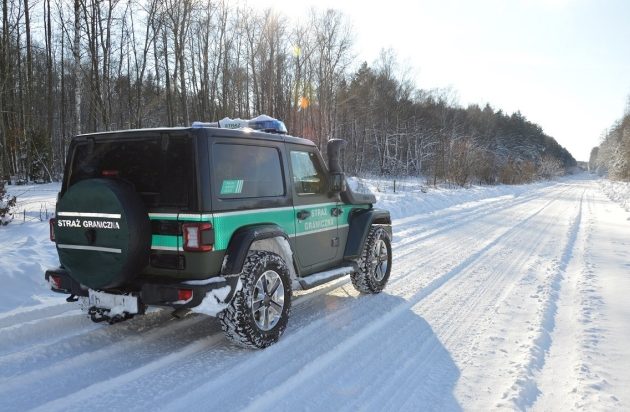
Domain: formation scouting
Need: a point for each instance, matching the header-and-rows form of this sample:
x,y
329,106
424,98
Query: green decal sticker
x,y
231,187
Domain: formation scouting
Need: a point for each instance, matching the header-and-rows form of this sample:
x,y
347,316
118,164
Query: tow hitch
x,y
111,308
104,315
72,298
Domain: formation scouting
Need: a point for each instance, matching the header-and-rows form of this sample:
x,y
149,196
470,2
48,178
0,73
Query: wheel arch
x,y
268,237
360,223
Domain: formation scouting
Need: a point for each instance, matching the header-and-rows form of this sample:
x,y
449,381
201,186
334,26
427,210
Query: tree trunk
x,y
76,52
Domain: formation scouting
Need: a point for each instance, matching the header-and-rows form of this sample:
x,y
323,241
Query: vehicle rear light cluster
x,y
52,222
198,237
109,173
184,295
55,281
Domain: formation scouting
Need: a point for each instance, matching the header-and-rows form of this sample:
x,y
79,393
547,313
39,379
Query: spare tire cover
x,y
103,233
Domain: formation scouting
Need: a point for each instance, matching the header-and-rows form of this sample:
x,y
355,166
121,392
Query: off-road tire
x,y
238,319
372,275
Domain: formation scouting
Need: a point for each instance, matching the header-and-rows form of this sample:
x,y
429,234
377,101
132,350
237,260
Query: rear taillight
x,y
52,222
55,281
198,237
184,295
109,173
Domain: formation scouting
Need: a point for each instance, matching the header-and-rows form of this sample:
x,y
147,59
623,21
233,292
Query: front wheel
x,y
259,311
374,265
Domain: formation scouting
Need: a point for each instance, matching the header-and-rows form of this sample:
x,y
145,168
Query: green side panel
x,y
321,218
166,241
225,225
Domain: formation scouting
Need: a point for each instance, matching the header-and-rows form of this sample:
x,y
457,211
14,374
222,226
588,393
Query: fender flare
x,y
241,242
360,223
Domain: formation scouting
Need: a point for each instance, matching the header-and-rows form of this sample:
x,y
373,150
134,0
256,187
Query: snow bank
x,y
26,250
413,197
617,191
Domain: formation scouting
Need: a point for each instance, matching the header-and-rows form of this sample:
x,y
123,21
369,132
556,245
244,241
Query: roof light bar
x,y
261,123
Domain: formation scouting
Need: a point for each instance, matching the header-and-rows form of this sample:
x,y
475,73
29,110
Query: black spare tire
x,y
103,233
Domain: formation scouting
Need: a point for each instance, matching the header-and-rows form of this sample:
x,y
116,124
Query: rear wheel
x,y
375,262
259,312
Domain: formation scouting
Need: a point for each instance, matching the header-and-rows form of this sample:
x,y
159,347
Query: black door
x,y
316,231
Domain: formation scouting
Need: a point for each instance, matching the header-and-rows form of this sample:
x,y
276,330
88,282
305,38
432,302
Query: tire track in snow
x,y
316,366
18,387
480,253
65,342
524,392
469,207
592,385
577,338
445,251
411,235
32,313
191,350
109,385
464,314
42,331
450,245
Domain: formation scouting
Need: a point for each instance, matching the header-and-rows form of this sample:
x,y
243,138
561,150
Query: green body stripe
x,y
321,218
166,241
225,224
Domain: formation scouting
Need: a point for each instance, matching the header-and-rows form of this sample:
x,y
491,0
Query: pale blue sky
x,y
565,64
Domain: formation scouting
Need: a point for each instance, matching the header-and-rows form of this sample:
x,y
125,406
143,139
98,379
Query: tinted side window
x,y
308,175
242,171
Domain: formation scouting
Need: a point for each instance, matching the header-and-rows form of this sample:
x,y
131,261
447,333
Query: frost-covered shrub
x,y
549,168
6,204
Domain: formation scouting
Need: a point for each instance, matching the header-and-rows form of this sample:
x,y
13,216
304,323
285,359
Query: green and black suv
x,y
229,222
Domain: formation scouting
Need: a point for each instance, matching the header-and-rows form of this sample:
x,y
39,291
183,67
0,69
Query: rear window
x,y
161,169
242,171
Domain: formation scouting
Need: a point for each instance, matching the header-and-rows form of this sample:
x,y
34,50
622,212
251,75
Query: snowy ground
x,y
502,297
617,191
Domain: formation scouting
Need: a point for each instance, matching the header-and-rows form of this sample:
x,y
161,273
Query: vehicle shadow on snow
x,y
367,351
340,351
384,354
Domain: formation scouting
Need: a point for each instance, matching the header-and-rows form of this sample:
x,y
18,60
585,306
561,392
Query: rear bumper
x,y
165,293
157,292
68,285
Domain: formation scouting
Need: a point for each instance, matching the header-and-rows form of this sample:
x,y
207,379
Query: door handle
x,y
336,211
303,214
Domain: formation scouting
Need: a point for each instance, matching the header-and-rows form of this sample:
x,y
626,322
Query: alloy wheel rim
x,y
268,300
380,261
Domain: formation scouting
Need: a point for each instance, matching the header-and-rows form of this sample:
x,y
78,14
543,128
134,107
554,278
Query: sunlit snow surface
x,y
500,297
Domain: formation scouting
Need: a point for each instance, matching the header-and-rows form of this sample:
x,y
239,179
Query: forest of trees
x,y
77,66
612,156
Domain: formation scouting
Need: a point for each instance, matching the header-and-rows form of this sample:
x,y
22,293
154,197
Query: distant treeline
x,y
96,65
612,156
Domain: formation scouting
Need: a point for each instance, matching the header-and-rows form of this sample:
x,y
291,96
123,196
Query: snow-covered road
x,y
516,299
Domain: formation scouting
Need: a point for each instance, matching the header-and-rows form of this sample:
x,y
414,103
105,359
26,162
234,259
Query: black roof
x,y
213,131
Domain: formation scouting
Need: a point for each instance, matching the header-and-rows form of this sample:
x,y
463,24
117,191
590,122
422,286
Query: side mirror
x,y
337,183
